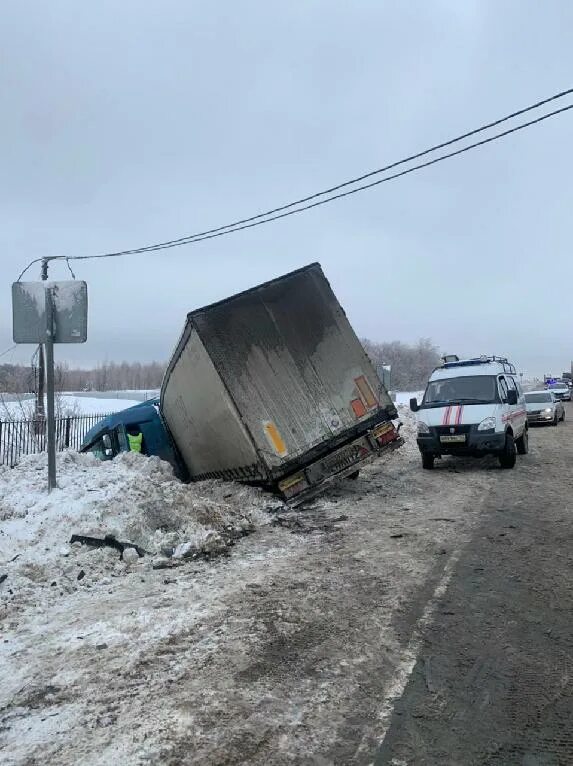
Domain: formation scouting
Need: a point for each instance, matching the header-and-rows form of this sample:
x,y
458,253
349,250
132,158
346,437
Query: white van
x,y
472,407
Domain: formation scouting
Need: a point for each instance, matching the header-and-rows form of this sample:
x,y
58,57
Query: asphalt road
x,y
493,682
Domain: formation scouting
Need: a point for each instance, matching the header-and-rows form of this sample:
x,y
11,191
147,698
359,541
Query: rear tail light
x,y
385,433
292,485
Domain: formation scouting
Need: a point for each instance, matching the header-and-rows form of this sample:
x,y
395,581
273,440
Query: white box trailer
x,y
272,386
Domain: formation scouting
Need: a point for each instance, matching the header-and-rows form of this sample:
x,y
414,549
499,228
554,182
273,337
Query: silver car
x,y
544,407
561,391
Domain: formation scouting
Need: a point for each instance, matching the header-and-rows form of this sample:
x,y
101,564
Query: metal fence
x,y
27,437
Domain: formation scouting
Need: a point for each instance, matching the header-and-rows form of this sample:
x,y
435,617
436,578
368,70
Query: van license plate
x,y
457,438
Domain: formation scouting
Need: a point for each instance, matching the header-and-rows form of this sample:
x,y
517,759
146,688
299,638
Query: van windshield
x,y
470,389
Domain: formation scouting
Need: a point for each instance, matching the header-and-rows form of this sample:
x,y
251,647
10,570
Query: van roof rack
x,y
502,360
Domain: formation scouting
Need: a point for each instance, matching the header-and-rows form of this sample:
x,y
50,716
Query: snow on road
x,y
255,656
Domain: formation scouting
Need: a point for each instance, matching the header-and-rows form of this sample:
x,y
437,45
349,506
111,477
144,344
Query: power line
x,y
269,216
363,177
8,350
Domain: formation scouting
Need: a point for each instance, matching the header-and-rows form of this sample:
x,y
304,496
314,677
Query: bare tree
x,y
107,376
411,364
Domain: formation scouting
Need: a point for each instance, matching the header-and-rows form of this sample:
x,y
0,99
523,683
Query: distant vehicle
x,y
472,407
544,407
560,389
270,386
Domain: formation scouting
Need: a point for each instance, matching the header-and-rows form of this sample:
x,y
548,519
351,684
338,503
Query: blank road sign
x,y
69,311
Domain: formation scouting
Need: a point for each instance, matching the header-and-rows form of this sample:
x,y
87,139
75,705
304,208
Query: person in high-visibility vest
x,y
135,439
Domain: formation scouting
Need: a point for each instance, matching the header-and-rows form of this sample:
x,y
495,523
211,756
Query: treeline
x,y
411,364
108,376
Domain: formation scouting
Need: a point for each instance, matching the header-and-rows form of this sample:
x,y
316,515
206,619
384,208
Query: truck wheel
x,y
508,457
522,443
427,461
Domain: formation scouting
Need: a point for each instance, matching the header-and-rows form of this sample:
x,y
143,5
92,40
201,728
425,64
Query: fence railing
x,y
28,436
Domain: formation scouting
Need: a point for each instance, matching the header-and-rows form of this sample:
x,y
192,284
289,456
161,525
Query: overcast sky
x,y
127,123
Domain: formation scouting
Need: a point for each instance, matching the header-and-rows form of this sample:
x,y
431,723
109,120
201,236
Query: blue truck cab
x,y
110,436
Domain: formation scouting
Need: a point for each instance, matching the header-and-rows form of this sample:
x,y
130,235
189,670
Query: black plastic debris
x,y
109,541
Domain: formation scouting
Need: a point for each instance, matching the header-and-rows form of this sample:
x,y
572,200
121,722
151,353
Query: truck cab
x,y
111,435
472,407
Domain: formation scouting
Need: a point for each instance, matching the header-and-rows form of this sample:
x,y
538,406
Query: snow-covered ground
x,y
132,498
66,404
136,395
403,397
259,655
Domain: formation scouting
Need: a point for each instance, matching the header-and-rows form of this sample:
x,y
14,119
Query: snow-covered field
x,y
66,405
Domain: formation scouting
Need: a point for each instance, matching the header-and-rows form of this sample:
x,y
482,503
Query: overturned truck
x,y
270,386
273,386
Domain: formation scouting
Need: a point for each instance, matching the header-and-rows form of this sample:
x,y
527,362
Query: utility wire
x,y
8,350
356,180
269,216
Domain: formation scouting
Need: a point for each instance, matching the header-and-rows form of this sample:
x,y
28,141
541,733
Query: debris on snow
x,y
130,556
109,540
47,541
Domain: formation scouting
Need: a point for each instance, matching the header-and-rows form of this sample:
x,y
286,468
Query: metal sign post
x,y
384,371
49,347
46,313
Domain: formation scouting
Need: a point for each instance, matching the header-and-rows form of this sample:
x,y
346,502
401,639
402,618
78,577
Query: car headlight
x,y
488,424
423,428
548,409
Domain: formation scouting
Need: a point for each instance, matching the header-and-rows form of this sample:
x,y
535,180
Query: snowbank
x,y
133,498
408,431
403,397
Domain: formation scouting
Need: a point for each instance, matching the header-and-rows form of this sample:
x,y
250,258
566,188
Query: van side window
x,y
102,447
517,386
503,388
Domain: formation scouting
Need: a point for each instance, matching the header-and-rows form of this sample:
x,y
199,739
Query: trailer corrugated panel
x,y
292,366
202,418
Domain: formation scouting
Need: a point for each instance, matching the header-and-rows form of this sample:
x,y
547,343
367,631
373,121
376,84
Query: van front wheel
x,y
427,461
508,457
522,443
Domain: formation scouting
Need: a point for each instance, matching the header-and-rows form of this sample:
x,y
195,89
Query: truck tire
x,y
427,461
508,457
522,443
